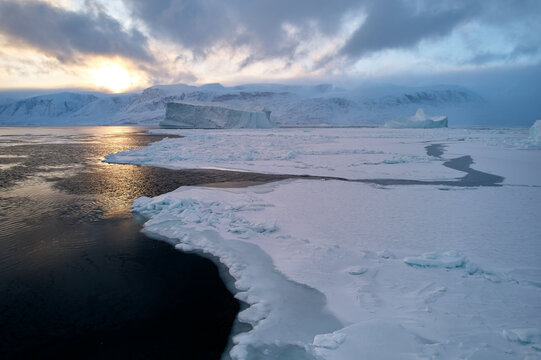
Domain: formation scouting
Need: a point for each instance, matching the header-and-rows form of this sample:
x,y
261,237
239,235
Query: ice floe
x,y
333,269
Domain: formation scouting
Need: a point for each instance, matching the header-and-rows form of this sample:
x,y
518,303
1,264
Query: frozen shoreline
x,y
428,285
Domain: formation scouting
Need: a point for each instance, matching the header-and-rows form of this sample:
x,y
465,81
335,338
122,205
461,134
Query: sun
x,y
113,77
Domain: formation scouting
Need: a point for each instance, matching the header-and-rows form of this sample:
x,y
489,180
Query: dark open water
x,y
76,277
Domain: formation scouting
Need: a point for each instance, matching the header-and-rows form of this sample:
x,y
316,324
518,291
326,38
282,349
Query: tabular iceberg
x,y
180,115
419,120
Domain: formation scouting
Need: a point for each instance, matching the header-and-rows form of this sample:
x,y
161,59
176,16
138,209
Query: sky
x,y
127,45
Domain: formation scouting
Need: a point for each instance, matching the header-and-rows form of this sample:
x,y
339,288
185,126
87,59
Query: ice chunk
x,y
449,259
329,341
535,132
180,115
419,120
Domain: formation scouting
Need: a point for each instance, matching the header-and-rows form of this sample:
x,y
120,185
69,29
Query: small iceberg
x,y
535,132
418,121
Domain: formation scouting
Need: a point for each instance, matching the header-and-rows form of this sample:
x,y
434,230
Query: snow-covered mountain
x,y
291,105
305,105
101,110
44,109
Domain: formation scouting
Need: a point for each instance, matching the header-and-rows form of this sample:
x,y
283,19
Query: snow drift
x,y
420,120
180,115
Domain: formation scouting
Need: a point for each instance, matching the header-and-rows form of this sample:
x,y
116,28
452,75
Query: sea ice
x,y
449,259
329,341
323,264
353,261
346,153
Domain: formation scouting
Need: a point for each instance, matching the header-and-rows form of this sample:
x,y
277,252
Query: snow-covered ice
x,y
449,259
366,153
419,120
339,269
349,153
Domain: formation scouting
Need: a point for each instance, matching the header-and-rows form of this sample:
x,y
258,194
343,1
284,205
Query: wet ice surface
x,y
78,278
429,250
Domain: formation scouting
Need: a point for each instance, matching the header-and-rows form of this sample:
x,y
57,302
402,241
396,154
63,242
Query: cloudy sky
x,y
122,45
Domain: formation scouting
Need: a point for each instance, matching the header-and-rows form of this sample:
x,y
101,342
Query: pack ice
x,y
419,120
335,269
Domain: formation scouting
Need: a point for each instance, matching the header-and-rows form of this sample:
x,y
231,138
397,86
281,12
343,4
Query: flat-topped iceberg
x,y
180,115
535,132
420,120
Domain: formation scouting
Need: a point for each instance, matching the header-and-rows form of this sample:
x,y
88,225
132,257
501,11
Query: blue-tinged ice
x,y
421,120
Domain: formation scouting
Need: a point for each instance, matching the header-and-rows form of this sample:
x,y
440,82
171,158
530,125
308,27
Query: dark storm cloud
x,y
395,24
66,34
201,24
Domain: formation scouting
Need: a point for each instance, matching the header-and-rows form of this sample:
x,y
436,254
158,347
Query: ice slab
x,y
449,259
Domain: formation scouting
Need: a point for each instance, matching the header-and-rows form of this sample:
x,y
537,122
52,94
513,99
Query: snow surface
x,y
419,120
368,153
342,269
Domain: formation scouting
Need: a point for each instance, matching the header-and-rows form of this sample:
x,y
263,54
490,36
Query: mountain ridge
x,y
291,105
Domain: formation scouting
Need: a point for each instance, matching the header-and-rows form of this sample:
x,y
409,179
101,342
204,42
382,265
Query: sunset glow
x,y
113,77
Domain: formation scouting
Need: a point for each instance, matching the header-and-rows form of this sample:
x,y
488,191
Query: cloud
x,y
167,41
392,24
66,34
268,28
280,28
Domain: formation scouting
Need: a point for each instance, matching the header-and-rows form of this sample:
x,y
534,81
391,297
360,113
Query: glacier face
x,y
181,115
420,120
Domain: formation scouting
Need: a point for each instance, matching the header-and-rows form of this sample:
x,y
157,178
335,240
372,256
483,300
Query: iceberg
x,y
181,115
420,120
535,132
